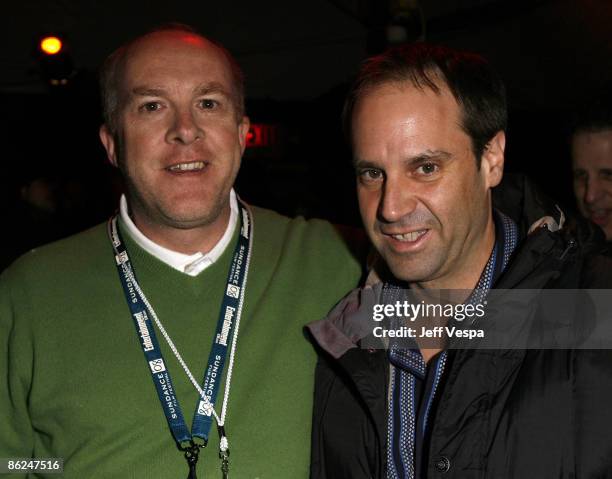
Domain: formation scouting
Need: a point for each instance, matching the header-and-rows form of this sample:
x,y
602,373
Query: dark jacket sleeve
x,y
323,381
349,416
592,412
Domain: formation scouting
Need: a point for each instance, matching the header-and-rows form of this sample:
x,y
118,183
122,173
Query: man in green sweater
x,y
125,349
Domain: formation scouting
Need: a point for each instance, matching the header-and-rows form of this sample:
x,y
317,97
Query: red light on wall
x,y
261,135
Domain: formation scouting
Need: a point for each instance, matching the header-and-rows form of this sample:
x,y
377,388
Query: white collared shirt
x,y
189,264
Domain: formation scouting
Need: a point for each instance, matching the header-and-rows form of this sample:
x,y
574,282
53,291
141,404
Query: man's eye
x,y
208,104
580,175
150,106
427,169
606,175
370,174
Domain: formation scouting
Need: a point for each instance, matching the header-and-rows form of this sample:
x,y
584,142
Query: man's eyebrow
x,y
365,164
429,155
205,89
423,157
146,91
212,87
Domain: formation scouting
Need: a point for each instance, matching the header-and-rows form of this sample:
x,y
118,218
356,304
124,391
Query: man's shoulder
x,y
310,233
271,220
597,271
80,250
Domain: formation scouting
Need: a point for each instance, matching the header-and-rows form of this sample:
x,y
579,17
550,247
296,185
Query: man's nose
x,y
184,129
397,200
593,191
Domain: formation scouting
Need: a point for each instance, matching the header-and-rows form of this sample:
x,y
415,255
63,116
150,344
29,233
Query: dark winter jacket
x,y
499,413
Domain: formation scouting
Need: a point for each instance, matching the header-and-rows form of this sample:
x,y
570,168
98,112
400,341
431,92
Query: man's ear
x,y
243,130
492,160
108,140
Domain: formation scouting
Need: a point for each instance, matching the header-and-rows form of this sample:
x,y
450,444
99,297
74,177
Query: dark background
x,y
298,57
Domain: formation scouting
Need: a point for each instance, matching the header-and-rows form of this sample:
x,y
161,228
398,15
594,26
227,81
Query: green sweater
x,y
75,383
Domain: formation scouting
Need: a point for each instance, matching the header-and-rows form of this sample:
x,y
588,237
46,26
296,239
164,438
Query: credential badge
x,y
121,257
204,408
157,365
233,291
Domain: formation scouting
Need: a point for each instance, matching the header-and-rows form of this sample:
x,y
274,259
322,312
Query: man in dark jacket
x,y
427,129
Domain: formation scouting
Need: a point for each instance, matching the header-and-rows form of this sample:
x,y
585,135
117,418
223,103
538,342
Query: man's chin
x,y
411,270
191,221
605,223
193,214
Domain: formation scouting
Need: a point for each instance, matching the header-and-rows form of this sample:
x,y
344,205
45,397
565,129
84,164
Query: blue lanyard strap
x,y
230,307
224,334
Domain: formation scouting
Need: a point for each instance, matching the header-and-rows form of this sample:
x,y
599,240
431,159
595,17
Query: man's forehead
x,y
169,39
404,107
161,48
600,137
413,97
163,59
593,148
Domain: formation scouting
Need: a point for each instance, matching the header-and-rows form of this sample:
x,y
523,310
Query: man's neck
x,y
186,241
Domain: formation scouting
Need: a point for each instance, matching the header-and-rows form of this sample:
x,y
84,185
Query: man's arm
x,y
16,434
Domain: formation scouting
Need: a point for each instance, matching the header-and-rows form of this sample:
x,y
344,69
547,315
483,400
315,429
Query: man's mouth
x,y
599,216
409,237
188,166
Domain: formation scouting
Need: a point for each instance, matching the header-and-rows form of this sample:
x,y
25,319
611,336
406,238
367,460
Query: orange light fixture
x,y
51,45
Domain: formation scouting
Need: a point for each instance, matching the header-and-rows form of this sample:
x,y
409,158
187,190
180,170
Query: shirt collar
x,y
189,264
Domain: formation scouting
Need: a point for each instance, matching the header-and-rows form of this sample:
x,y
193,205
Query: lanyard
x,y
226,333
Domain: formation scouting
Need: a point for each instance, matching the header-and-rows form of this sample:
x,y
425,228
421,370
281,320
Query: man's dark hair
x,y
111,74
477,88
594,116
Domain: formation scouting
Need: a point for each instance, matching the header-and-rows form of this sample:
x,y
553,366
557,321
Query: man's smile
x,y
191,166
